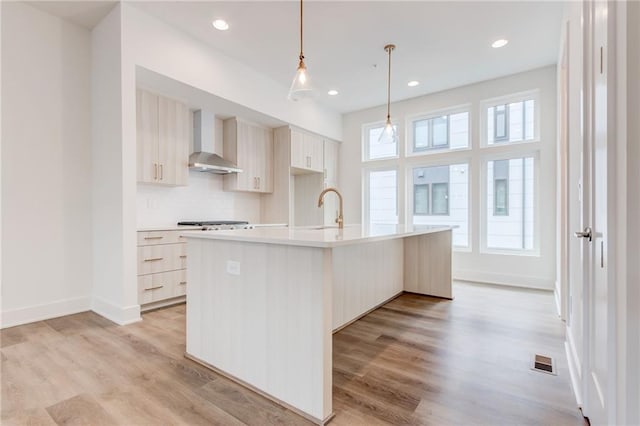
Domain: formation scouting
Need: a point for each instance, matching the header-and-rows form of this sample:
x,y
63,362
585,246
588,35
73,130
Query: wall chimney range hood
x,y
203,159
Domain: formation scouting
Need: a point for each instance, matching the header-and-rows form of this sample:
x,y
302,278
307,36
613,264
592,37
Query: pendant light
x,y
300,87
389,134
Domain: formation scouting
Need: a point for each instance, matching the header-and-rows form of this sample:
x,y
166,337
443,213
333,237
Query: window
x,y
383,196
374,148
511,122
441,197
421,199
501,188
510,204
441,132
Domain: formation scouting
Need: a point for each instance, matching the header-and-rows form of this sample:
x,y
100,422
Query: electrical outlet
x,y
233,267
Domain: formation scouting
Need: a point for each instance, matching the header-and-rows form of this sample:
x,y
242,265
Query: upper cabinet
x,y
251,148
307,152
162,139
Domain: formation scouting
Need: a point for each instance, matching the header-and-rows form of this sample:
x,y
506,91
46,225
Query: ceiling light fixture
x,y
389,134
413,83
220,24
300,87
499,43
332,92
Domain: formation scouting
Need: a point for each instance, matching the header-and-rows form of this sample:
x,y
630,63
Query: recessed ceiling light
x,y
413,83
499,43
220,24
332,92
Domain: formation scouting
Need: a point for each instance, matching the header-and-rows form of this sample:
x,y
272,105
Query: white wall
x,y
628,207
46,165
633,213
113,166
529,271
202,199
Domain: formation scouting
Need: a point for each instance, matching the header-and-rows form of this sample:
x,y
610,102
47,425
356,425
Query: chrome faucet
x,y
339,219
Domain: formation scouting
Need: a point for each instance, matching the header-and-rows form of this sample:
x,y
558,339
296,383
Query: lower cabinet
x,y
161,286
162,273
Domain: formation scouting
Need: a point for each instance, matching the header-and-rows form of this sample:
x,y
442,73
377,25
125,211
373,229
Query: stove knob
x,y
232,227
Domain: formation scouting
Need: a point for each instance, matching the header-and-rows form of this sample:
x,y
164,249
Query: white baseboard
x,y
119,315
44,311
556,297
503,279
575,367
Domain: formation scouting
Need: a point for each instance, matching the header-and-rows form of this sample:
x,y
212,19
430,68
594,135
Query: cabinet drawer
x,y
149,238
165,285
161,258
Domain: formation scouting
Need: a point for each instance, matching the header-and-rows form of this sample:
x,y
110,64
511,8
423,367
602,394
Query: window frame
x,y
506,100
412,151
365,132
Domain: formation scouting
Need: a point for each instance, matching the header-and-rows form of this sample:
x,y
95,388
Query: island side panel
x,y
427,264
269,325
365,276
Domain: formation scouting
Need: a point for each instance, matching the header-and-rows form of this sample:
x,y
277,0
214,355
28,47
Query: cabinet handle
x,y
154,238
308,161
184,256
182,282
153,288
258,183
161,172
155,171
154,259
325,173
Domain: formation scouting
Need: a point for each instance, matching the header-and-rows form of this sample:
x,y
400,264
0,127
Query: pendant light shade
x,y
390,133
301,86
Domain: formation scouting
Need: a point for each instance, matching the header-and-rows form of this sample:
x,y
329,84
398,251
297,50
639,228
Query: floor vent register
x,y
543,364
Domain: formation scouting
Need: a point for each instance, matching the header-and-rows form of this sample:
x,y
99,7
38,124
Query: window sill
x,y
435,151
511,252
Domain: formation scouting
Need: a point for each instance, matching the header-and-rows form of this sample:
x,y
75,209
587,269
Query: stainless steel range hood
x,y
203,158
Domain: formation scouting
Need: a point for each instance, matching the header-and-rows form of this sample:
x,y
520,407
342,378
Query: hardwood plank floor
x,y
416,360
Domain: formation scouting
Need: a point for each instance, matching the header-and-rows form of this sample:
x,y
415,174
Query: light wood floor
x,y
417,360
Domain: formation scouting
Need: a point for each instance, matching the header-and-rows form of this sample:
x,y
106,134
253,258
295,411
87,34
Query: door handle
x,y
584,234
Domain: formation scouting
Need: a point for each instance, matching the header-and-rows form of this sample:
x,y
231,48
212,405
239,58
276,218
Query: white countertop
x,y
319,236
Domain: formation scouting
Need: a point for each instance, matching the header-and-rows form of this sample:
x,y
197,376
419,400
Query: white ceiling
x,y
84,13
440,44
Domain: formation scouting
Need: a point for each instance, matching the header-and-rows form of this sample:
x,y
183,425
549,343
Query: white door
x,y
596,177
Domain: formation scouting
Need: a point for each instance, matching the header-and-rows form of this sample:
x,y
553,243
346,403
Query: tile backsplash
x,y
202,199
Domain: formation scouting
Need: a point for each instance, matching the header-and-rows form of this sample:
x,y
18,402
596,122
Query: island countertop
x,y
321,236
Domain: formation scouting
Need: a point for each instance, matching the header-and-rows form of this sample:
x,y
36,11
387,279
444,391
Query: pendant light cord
x,y
301,54
389,49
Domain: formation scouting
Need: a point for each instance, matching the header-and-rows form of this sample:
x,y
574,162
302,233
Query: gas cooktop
x,y
213,222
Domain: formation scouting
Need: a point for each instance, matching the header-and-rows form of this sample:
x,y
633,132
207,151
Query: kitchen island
x,y
263,303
